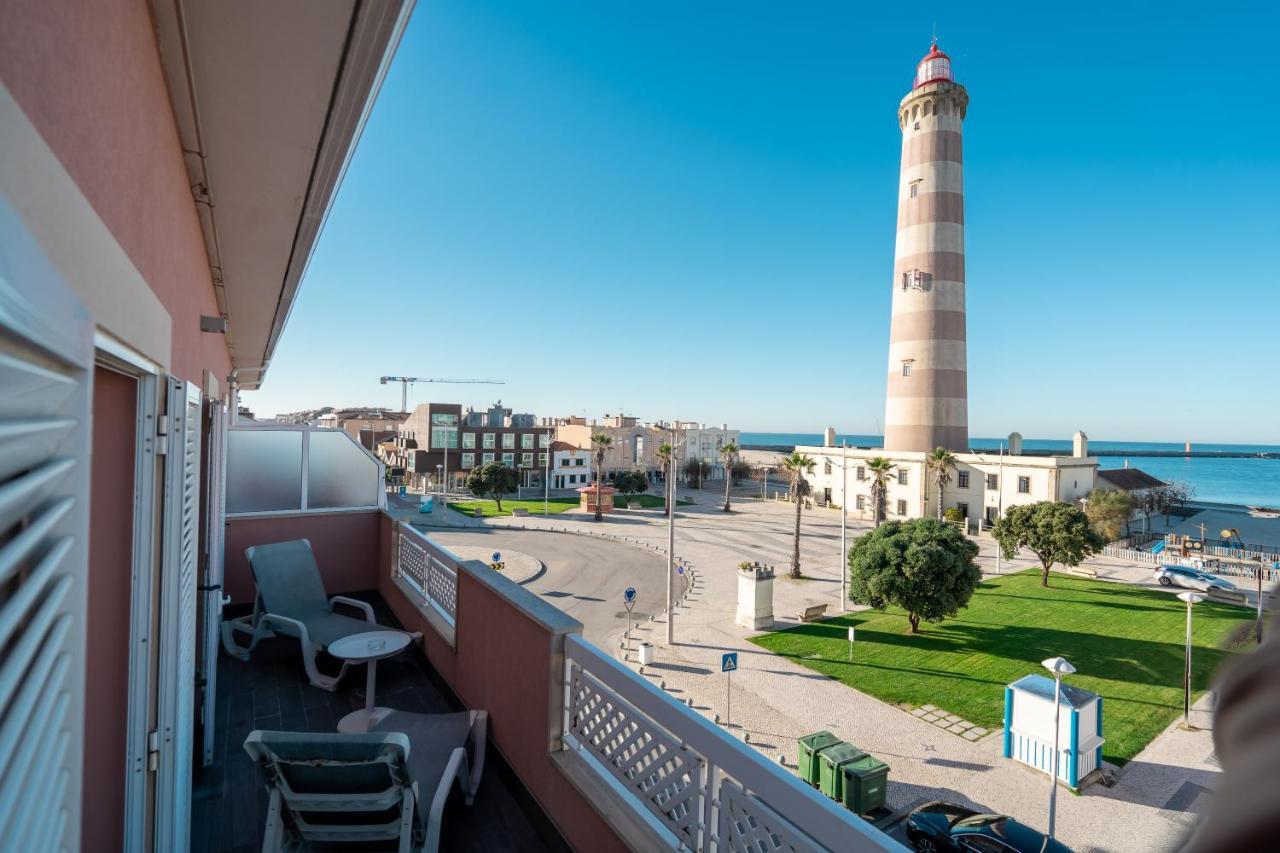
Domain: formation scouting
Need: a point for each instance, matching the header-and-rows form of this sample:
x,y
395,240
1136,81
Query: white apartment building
x,y
699,441
570,466
982,487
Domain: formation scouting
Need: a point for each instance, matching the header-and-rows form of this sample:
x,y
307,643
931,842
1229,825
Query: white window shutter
x,y
211,589
46,358
176,719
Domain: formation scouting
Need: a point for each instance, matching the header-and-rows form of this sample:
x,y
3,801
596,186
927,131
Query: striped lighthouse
x,y
926,403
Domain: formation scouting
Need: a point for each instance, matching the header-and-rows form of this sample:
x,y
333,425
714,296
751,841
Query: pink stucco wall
x,y
346,546
106,663
88,77
502,662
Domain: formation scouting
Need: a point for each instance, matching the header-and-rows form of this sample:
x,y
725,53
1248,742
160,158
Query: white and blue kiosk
x,y
1028,728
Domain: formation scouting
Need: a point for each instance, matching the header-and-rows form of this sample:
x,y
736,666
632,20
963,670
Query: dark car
x,y
938,827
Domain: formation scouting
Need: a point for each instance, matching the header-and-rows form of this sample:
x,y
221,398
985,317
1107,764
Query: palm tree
x,y
940,462
666,464
599,444
729,455
881,470
797,465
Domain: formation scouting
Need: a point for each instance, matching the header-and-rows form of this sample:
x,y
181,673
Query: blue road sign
x,y
729,662
629,594
497,556
679,568
402,491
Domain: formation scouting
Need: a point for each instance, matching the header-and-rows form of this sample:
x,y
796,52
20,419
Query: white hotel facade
x,y
982,487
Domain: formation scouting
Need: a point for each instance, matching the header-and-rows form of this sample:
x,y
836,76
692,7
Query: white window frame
x,y
526,441
468,460
508,441
489,441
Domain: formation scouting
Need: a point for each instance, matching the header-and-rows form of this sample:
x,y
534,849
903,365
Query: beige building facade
x,y
982,487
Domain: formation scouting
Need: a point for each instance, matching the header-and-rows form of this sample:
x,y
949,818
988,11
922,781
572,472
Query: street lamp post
x,y
671,541
844,526
546,478
1059,667
440,481
1190,598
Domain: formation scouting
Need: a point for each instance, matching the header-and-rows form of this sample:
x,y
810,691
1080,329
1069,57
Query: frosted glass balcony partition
x,y
291,469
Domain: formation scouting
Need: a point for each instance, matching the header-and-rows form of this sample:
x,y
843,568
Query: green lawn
x,y
1127,644
489,509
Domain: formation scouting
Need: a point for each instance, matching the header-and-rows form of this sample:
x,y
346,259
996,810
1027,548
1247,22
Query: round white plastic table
x,y
368,647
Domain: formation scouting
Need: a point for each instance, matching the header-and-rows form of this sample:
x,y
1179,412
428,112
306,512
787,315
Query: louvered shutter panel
x,y
46,353
178,618
211,603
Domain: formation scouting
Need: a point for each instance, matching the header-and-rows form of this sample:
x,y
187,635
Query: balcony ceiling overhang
x,y
270,99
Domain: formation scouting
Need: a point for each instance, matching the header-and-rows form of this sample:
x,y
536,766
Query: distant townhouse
x,y
702,442
570,465
442,440
983,485
634,445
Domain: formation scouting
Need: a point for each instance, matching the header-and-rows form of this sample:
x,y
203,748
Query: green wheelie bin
x,y
810,746
865,781
830,779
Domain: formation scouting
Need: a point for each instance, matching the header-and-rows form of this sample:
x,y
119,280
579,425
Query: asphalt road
x,y
584,577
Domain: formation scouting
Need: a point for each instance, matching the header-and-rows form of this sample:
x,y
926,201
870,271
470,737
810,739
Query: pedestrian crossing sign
x,y
729,662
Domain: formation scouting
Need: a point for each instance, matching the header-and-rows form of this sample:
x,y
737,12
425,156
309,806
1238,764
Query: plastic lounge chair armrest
x,y
362,606
455,770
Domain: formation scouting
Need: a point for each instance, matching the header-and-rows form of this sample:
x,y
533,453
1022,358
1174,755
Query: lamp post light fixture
x,y
1059,667
1190,598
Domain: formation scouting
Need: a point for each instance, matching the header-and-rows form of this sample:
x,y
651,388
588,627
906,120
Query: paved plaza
x,y
1155,798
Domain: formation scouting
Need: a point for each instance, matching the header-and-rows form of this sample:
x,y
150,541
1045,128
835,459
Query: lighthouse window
x,y
906,368
915,189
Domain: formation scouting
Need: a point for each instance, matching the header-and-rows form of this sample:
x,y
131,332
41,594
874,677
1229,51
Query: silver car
x,y
1191,579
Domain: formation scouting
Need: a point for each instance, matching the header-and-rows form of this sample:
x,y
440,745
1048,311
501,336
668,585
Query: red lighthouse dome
x,y
934,68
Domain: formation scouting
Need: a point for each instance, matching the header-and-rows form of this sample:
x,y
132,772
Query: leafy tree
x,y
1177,495
492,479
742,471
1054,532
953,515
881,470
728,455
797,465
939,463
1108,512
695,470
924,566
630,482
600,444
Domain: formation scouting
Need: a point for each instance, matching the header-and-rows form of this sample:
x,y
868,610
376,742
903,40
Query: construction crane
x,y
406,381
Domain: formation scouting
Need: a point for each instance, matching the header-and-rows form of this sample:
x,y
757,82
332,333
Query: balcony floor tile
x,y
229,798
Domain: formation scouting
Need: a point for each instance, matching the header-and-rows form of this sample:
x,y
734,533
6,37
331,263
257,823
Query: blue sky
x,y
688,210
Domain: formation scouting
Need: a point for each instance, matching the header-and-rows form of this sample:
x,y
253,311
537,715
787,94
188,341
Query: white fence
x,y
1132,555
700,787
429,570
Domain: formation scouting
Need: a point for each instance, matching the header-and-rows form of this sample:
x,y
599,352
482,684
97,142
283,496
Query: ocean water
x,y
1229,480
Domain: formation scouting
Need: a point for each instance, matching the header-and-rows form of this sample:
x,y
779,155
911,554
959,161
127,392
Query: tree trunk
x,y
940,514
795,551
599,488
914,619
497,497
1044,574
726,487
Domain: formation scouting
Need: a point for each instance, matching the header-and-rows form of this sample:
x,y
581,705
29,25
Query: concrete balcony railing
x,y
613,762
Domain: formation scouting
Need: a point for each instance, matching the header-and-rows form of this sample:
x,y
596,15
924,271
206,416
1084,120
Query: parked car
x,y
1189,578
937,827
